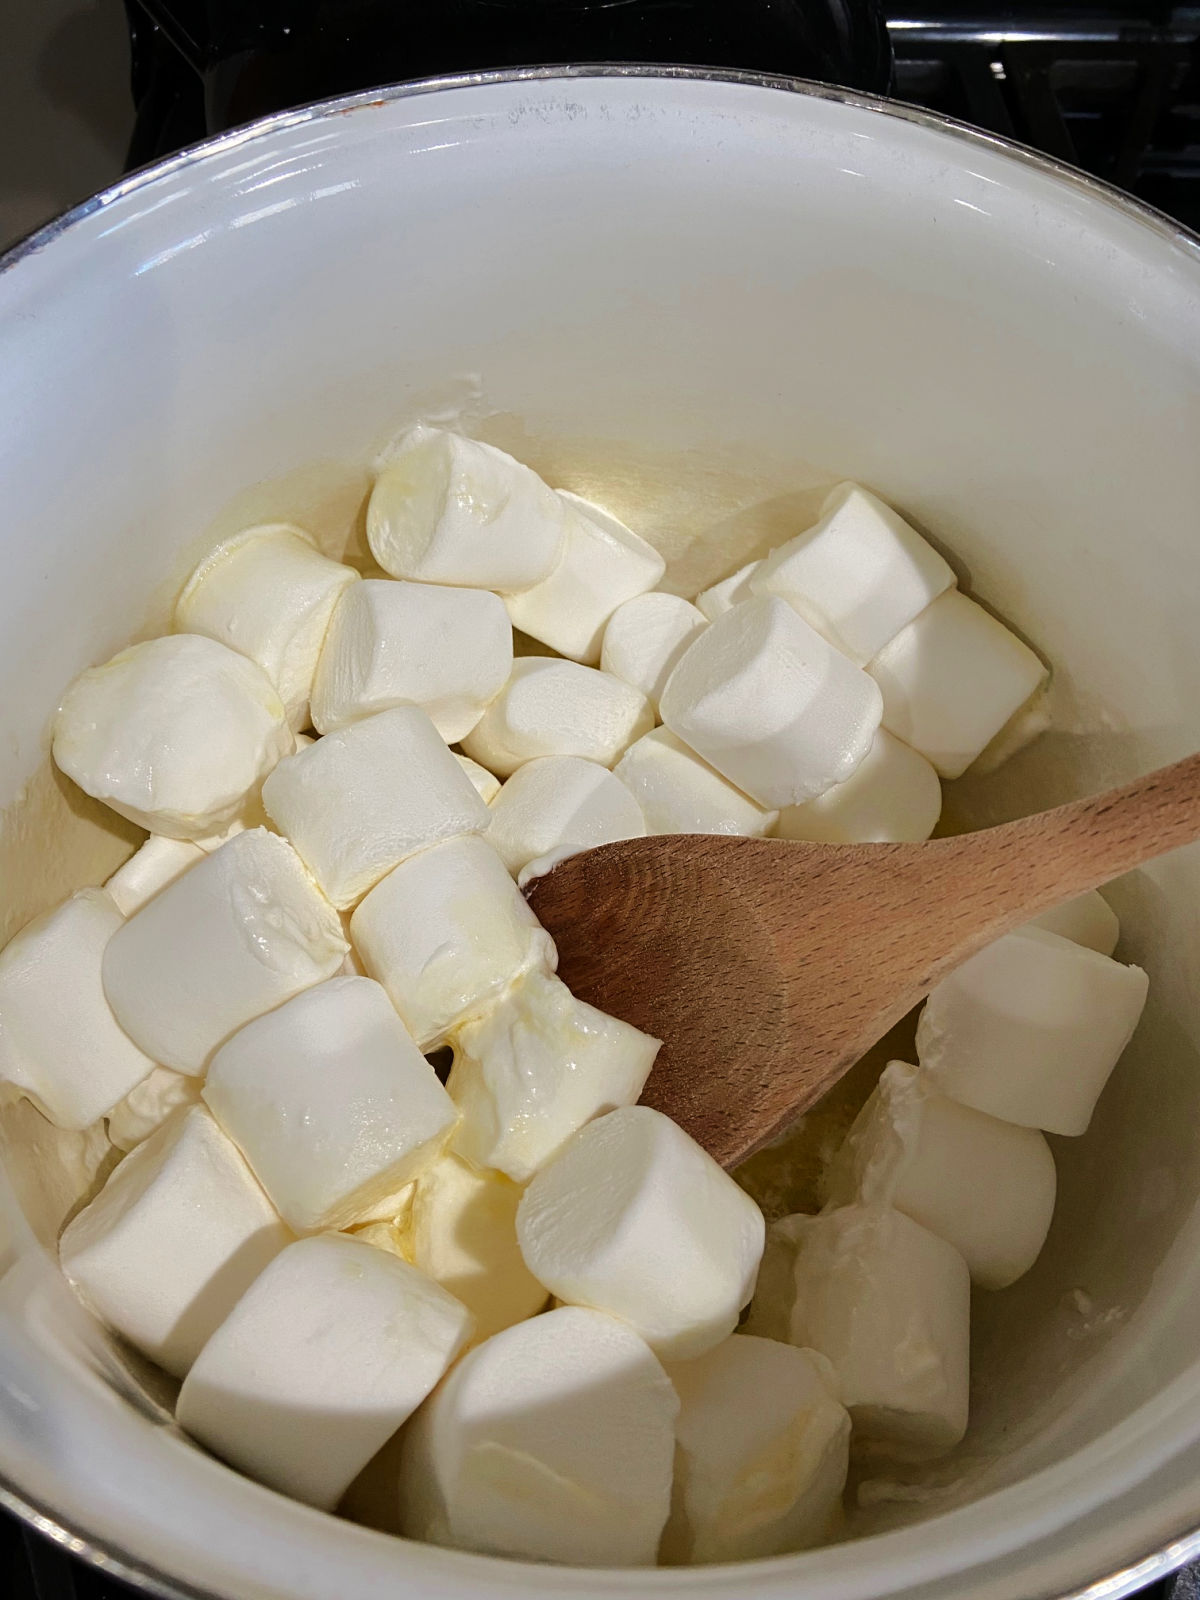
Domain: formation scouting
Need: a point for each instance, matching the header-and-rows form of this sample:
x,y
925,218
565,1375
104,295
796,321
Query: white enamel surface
x,y
1039,327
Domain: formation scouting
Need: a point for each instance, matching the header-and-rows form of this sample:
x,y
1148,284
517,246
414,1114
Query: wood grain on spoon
x,y
767,967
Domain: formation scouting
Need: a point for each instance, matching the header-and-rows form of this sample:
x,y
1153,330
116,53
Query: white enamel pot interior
x,y
701,297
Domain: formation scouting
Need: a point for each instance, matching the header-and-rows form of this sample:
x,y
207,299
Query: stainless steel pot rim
x,y
1172,1551
366,99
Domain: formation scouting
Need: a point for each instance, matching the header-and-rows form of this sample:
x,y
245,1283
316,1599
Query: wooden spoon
x,y
767,967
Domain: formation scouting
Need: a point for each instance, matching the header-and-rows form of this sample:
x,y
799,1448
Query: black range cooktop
x,y
1113,88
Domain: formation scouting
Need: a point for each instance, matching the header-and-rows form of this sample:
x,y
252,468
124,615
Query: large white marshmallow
x,y
762,1447
330,1102
148,1106
894,797
679,793
1088,919
269,593
889,1304
761,696
174,733
446,650
558,708
59,1039
951,680
602,564
462,1230
553,1441
367,796
178,1233
535,1068
646,636
487,785
451,510
150,868
731,591
557,805
859,575
445,932
985,1186
1030,1029
328,1352
633,1217
242,931
770,1313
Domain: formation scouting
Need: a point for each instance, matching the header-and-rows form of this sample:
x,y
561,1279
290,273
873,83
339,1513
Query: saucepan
x,y
699,297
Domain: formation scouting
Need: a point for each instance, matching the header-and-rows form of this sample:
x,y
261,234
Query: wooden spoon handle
x,y
1027,866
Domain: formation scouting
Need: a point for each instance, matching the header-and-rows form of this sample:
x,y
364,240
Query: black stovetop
x,y
1111,87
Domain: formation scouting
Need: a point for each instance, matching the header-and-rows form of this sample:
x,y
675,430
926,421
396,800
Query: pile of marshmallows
x,y
318,1238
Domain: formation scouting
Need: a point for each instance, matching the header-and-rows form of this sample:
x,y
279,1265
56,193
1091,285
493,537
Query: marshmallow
x,y
59,1040
487,785
558,708
534,1069
451,510
859,576
174,734
602,564
894,797
462,1231
329,1351
634,1218
366,797
448,651
770,1313
762,697
722,597
269,593
388,1223
646,636
330,1102
240,933
148,1106
889,1304
985,1186
1088,920
150,868
679,793
1030,1029
553,1441
395,1209
176,1235
559,805
951,680
762,1447
382,1236
445,932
